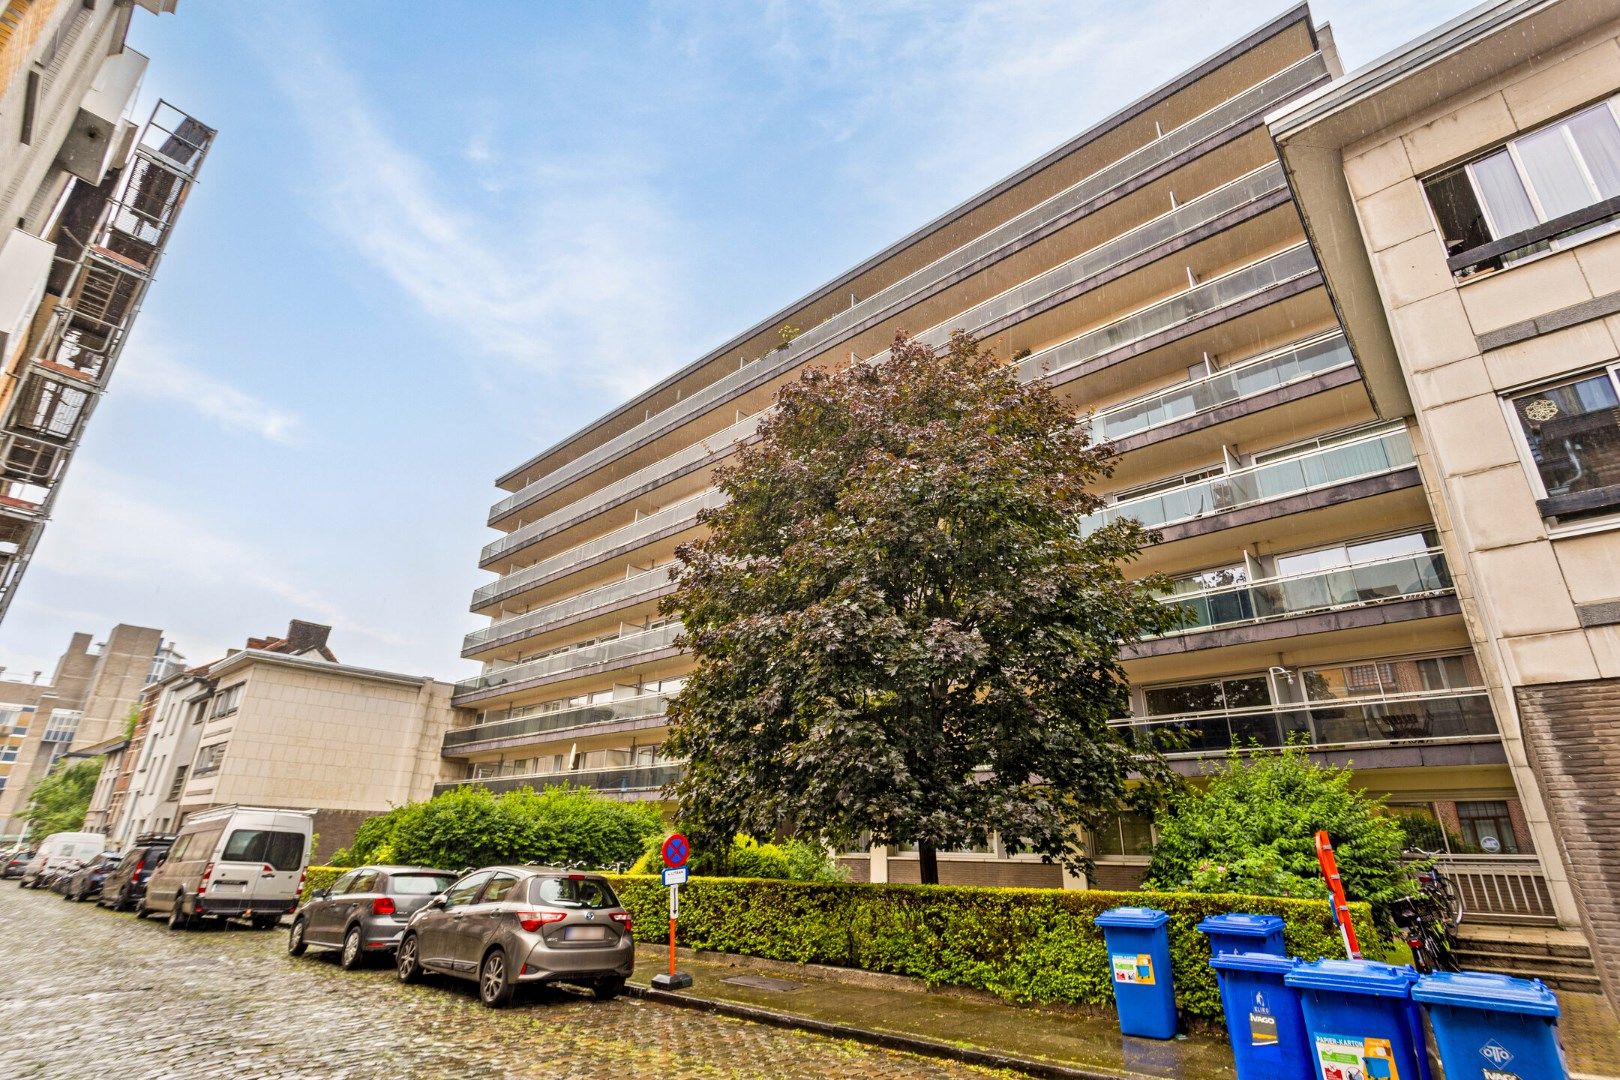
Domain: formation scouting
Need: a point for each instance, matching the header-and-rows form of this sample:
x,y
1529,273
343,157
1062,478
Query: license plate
x,y
584,933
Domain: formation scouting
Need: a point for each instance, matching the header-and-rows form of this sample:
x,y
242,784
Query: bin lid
x,y
1255,926
1133,918
1269,963
1487,991
1355,977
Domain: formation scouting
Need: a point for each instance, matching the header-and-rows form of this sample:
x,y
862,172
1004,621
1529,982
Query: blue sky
x,y
433,238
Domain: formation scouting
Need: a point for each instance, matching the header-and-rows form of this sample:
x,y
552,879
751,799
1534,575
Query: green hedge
x,y
1026,945
320,877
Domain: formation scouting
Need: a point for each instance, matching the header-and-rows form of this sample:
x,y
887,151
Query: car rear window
x,y
282,850
420,884
590,893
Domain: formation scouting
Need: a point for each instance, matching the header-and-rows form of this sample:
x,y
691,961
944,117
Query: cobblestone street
x,y
87,992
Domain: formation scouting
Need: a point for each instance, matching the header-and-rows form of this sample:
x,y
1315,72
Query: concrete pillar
x,y
878,871
1071,880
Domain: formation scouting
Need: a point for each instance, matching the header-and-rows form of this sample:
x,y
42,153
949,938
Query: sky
x,y
432,239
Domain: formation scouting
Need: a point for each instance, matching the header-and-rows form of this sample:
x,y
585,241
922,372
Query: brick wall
x,y
1572,733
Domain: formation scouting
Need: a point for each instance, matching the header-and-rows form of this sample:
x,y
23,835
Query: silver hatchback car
x,y
365,911
506,926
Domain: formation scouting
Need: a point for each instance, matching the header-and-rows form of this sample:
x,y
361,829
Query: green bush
x,y
320,877
1026,945
791,860
469,826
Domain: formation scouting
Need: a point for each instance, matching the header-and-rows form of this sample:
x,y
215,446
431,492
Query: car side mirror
x,y
436,902
320,894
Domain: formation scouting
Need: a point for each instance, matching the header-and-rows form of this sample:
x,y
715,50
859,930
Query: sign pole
x,y
676,851
674,913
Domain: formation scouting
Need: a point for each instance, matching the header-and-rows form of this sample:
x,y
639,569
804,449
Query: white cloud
x,y
154,372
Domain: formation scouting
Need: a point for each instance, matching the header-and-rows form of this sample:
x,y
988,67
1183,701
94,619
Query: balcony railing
x,y
604,713
609,781
1401,577
1371,455
1244,107
1454,716
527,624
1253,280
620,648
1236,383
604,496
1500,888
674,516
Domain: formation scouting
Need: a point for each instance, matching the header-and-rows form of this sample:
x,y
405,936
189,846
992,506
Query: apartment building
x,y
1154,271
86,702
89,199
1464,196
281,723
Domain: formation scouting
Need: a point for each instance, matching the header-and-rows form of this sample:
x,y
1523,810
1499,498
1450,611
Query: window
x,y
464,890
282,850
209,759
227,700
419,884
1486,827
1381,678
1560,169
8,753
341,885
571,892
1128,835
30,107
179,784
364,881
62,726
1572,432
1213,695
499,889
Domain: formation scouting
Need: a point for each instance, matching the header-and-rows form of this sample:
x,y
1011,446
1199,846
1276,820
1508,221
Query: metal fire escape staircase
x,y
69,365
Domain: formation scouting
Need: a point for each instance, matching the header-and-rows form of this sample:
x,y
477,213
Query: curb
x,y
886,1040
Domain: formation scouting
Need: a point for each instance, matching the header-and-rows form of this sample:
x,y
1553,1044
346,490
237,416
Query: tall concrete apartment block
x,y
86,703
1154,271
1464,193
87,201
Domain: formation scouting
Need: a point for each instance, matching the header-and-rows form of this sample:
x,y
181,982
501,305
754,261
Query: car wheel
x,y
608,989
353,955
495,985
296,945
178,919
123,902
406,962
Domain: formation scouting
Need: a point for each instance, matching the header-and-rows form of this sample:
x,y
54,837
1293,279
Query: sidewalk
x,y
979,1028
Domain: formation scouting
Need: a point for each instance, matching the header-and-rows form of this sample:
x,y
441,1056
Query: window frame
x,y
1596,521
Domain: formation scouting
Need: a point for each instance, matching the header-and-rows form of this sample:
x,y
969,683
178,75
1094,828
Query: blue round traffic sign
x,y
676,849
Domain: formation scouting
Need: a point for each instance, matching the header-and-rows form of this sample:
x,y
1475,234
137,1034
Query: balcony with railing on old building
x,y
575,719
571,662
635,588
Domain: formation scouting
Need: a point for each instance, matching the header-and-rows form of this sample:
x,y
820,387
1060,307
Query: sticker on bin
x,y
1262,1023
1346,1057
1133,968
1498,1056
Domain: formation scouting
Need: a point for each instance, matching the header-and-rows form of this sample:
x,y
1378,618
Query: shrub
x,y
320,877
791,860
1026,945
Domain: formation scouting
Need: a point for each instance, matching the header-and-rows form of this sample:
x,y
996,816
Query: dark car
x,y
125,888
13,862
365,911
506,926
55,878
86,881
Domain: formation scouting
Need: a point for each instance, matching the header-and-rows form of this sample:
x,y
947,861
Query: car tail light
x,y
383,905
137,871
534,920
623,919
202,885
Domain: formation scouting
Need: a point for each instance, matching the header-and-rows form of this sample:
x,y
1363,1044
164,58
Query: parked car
x,y
87,880
232,862
13,863
365,911
506,926
59,851
126,885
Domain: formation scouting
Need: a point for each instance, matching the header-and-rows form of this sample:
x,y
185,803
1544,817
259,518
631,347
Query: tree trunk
x,y
927,863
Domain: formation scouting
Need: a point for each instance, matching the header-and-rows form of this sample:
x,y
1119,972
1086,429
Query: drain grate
x,y
762,982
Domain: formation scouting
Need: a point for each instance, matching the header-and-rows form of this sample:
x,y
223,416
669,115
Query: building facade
x,y
89,199
1464,196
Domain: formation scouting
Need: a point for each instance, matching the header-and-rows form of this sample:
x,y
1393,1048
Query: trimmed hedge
x,y
320,877
1026,945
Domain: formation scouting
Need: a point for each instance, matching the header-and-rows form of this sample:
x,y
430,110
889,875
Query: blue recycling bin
x,y
1361,1020
1138,943
1244,933
1489,1026
1263,1016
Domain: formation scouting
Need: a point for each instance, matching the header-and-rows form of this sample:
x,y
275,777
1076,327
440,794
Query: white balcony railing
x,y
607,712
625,590
571,660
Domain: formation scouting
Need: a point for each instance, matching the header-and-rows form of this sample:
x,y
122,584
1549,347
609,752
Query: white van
x,y
61,851
232,862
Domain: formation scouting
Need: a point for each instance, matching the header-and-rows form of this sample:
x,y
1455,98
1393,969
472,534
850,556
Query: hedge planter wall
x,y
1026,945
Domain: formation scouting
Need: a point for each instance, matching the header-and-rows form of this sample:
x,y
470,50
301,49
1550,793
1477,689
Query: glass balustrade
x,y
672,516
1376,453
632,778
627,589
1212,295
573,659
1321,590
1240,381
1244,107
604,713
1453,715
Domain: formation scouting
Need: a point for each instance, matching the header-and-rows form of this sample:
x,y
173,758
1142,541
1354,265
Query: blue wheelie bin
x,y
1361,1020
1493,1027
1263,1016
1244,933
1138,942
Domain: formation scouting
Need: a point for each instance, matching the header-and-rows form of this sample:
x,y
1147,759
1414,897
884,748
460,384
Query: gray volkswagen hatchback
x,y
506,926
365,911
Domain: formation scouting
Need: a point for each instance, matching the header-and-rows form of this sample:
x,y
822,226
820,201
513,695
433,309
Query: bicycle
x,y
1429,919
